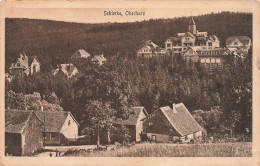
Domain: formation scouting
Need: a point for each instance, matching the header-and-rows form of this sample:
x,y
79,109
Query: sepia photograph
x,y
124,81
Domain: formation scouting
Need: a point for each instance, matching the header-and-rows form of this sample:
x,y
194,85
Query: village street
x,y
62,149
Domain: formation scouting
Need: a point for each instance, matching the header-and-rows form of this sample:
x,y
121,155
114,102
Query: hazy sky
x,y
96,15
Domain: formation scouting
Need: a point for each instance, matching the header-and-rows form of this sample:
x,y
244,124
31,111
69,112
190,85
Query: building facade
x,y
69,70
98,60
134,124
150,49
242,42
81,53
193,37
60,127
169,125
25,65
23,132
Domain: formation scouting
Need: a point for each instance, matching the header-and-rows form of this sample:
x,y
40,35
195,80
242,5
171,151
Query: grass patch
x,y
172,150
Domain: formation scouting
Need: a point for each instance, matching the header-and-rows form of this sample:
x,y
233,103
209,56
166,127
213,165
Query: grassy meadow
x,y
242,149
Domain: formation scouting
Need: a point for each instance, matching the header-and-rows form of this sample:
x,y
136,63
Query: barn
x,y
60,127
23,132
169,125
134,123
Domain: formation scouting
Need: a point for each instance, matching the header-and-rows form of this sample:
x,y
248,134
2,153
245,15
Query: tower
x,y
192,26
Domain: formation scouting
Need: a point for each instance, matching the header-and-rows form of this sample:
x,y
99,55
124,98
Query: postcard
x,y
129,83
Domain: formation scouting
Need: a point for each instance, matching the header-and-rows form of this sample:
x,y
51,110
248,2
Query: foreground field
x,y
172,150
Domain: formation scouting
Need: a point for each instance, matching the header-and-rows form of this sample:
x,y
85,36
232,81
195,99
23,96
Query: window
x,y
210,44
150,123
18,64
68,122
235,43
168,45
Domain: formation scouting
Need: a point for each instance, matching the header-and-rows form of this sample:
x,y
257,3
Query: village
x,y
53,133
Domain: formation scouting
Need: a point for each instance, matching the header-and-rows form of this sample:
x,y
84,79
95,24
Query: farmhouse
x,y
81,53
168,125
134,123
68,70
23,132
98,59
193,37
60,127
242,42
150,49
25,65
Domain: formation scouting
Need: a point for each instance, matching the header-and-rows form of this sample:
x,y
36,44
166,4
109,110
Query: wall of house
x,y
70,128
13,144
32,137
37,67
52,138
158,123
139,126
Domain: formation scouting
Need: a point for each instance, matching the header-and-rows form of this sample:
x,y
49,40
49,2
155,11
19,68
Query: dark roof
x,y
133,117
181,119
243,39
192,22
16,120
54,120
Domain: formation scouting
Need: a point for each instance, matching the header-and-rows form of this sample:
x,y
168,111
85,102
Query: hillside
x,y
54,42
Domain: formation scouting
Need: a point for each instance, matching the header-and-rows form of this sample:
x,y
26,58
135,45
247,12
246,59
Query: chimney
x,y
173,108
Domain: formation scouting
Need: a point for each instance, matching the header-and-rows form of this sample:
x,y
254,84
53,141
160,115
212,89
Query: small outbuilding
x,y
23,132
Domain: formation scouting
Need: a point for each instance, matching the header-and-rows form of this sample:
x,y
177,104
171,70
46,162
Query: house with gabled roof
x,y
60,127
134,123
69,70
81,53
25,65
23,132
150,49
98,59
168,125
243,42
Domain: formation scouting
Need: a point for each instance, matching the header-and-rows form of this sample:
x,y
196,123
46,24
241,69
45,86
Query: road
x,y
62,149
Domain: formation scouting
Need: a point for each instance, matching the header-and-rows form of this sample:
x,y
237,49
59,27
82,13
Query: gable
x,y
236,42
146,49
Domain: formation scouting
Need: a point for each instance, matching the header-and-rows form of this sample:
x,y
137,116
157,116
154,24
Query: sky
x,y
95,13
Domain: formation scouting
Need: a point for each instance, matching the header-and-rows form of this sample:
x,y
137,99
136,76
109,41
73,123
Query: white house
x,y
81,53
193,37
243,42
150,49
68,70
25,65
98,59
60,126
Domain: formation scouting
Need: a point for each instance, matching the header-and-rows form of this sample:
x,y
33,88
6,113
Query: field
x,y
172,150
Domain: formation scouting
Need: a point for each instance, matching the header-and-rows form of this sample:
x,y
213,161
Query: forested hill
x,y
54,42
